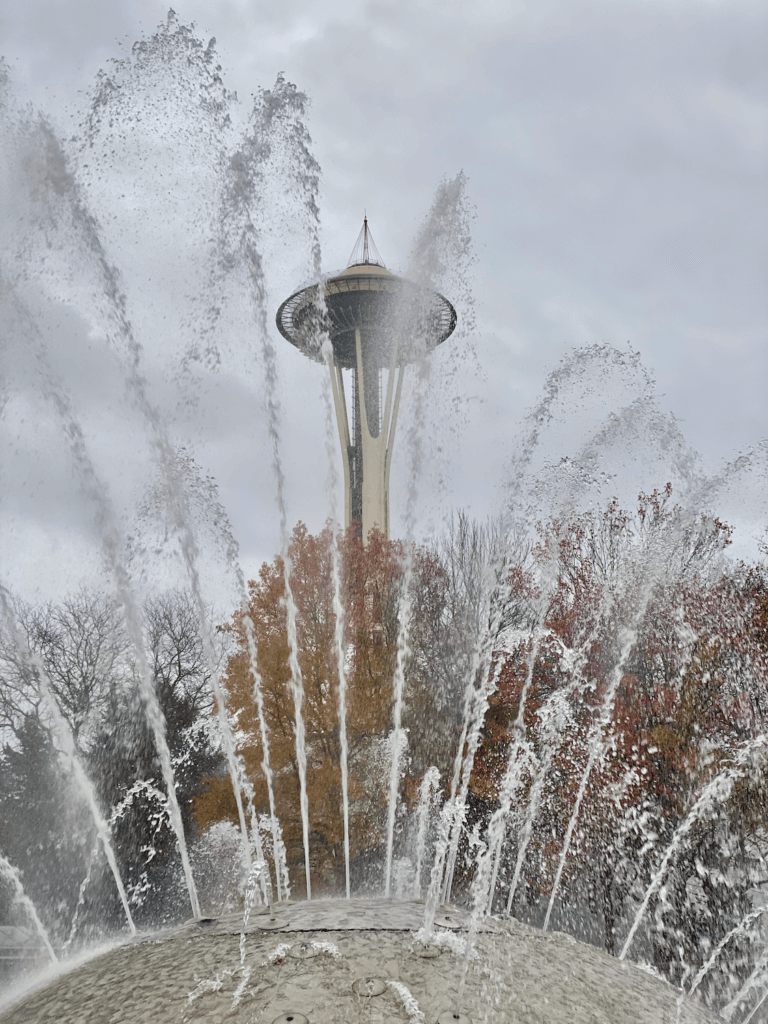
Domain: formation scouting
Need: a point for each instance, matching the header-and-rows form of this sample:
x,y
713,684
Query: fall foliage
x,y
645,623
372,579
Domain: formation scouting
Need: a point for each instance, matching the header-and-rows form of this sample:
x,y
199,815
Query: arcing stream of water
x,y
403,653
427,793
338,611
234,220
442,248
11,874
240,237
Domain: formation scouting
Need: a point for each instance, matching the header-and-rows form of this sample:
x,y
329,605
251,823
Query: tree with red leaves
x,y
647,670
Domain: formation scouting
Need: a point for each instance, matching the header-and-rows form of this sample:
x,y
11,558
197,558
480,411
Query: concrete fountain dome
x,y
351,960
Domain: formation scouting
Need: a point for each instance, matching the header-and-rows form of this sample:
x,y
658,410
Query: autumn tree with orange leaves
x,y
372,579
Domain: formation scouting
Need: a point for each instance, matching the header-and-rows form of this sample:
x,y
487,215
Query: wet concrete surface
x,y
352,961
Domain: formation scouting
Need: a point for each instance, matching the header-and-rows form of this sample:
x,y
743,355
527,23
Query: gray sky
x,y
616,157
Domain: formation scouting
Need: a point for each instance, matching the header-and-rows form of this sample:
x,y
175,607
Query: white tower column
x,y
342,422
375,453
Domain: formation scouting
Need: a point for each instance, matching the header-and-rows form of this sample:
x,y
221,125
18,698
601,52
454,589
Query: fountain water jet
x,y
403,651
105,521
715,791
80,899
595,751
11,874
427,793
338,610
67,194
278,849
236,218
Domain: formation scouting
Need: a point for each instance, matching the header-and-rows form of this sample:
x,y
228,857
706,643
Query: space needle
x,y
377,324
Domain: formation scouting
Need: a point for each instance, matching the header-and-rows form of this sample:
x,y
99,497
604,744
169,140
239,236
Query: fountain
x,y
600,659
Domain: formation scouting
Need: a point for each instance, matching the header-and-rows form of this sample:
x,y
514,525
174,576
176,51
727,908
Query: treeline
x,y
614,665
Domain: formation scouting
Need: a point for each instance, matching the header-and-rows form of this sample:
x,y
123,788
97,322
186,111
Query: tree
x,y
645,621
372,578
124,761
82,646
91,671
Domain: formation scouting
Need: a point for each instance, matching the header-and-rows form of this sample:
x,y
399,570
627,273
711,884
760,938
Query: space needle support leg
x,y
390,435
388,401
342,422
375,498
361,386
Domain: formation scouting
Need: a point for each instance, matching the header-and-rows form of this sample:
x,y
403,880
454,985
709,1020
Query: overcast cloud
x,y
616,157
